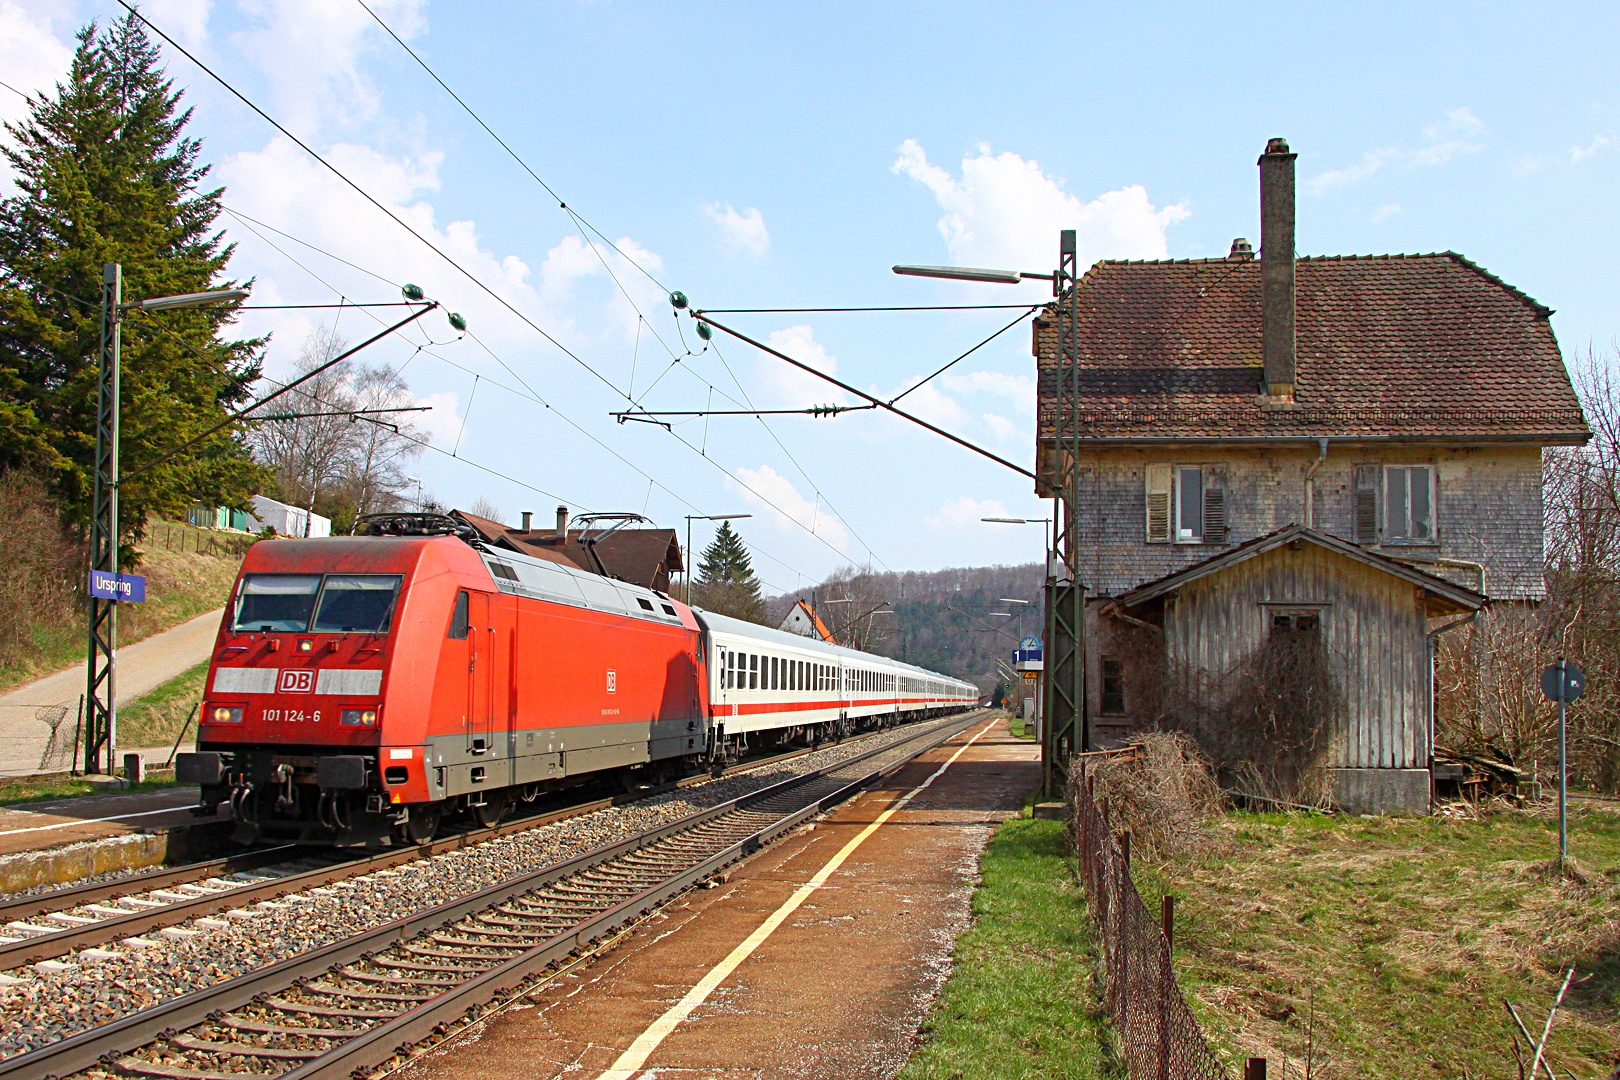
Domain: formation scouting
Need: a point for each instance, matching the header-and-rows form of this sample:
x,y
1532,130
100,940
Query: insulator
x,y
678,299
411,292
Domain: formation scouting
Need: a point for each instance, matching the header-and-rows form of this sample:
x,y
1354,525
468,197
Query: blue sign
x,y
129,587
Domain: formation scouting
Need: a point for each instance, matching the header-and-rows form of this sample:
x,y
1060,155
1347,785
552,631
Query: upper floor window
x,y
1185,505
1401,499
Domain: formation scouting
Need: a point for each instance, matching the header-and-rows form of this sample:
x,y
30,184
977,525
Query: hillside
x,y
943,619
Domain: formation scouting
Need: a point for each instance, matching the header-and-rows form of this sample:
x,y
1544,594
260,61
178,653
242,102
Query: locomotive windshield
x,y
276,601
356,603
297,603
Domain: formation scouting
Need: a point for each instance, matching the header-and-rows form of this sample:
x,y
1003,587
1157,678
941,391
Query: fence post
x,y
1255,1069
1122,934
1167,980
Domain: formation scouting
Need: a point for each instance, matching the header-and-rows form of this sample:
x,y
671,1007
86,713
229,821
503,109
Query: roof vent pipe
x,y
1277,269
528,517
1241,249
562,523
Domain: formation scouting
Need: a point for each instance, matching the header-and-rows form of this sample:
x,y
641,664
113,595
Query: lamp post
x,y
101,703
701,517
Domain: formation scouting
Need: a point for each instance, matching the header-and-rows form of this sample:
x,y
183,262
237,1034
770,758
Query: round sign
x,y
1030,642
1574,683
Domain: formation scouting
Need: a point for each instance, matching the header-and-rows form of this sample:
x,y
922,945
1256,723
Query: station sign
x,y
130,587
1028,655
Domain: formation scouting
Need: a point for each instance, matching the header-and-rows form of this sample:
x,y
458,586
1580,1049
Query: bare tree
x,y
861,614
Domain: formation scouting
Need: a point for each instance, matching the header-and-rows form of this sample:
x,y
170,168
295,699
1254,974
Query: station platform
x,y
819,957
62,840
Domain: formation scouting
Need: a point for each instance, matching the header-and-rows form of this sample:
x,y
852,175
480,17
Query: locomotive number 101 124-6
x,y
292,716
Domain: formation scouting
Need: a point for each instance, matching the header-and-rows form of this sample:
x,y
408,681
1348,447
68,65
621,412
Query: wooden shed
x,y
1370,617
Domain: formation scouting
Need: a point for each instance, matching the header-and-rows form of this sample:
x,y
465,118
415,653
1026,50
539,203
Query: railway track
x,y
45,926
359,1002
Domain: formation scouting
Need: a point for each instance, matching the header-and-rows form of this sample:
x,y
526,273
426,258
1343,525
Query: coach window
x,y
753,671
458,617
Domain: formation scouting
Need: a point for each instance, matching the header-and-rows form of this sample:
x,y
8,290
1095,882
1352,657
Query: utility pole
x,y
1065,729
101,704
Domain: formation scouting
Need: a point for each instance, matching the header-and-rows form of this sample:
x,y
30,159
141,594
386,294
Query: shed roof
x,y
1389,346
646,557
1443,597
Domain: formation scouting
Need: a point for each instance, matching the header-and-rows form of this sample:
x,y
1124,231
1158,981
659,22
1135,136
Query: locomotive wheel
x,y
423,822
495,805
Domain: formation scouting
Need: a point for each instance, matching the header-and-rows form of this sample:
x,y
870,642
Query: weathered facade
x,y
1390,410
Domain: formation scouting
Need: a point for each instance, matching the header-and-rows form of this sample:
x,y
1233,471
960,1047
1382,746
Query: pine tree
x,y
104,174
726,583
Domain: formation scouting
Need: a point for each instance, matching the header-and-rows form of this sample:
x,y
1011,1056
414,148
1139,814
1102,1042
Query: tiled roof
x,y
1389,345
646,557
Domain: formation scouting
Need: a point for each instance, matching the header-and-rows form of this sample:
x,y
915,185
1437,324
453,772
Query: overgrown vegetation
x,y
1163,791
1401,937
1018,1003
32,789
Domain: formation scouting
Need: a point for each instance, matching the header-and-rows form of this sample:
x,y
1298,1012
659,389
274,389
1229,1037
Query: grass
x,y
1015,725
1404,936
156,719
1019,1003
179,585
48,788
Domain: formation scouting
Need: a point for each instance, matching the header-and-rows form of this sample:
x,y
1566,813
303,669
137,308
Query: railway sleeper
x,y
287,1005
133,1066
427,952
450,939
362,995
186,1042
259,1027
394,977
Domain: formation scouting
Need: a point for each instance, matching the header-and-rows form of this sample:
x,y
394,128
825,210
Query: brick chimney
x,y
1277,270
528,517
562,524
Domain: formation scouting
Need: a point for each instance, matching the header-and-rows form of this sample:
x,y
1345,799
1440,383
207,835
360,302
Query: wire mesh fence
x,y
59,751
1159,1037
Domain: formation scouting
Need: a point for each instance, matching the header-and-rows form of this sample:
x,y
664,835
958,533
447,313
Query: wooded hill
x,y
942,620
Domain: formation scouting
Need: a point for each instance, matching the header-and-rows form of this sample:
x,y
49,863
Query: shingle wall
x,y
1489,509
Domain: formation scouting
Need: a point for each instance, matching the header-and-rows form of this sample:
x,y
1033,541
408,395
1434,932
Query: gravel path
x,y
56,999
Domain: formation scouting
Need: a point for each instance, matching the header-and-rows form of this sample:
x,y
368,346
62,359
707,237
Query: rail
x,y
402,981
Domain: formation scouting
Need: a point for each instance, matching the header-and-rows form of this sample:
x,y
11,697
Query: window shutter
x,y
1214,515
1366,508
1159,478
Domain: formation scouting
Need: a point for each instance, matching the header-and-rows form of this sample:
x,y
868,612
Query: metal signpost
x,y
1563,682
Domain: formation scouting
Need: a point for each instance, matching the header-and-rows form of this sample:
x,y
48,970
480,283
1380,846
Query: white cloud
x,y
1019,388
1004,212
1599,143
310,51
443,425
31,56
184,19
927,402
1383,213
767,490
785,386
965,512
1446,140
741,232
1006,431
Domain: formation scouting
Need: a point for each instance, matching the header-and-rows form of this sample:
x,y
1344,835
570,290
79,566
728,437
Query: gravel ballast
x,y
42,1006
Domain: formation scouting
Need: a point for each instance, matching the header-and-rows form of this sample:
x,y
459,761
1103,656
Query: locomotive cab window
x,y
459,620
276,602
357,604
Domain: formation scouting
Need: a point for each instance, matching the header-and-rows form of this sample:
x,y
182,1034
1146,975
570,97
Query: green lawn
x,y
1019,1003
1015,725
156,719
1404,935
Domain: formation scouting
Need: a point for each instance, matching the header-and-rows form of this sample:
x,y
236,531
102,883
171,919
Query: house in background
x,y
1336,449
801,619
645,557
286,520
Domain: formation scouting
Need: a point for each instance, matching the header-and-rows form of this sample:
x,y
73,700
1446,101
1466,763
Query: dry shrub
x,y
1268,721
1165,793
39,564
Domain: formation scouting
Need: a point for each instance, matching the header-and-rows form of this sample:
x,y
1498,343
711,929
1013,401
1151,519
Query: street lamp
x,y
100,698
701,517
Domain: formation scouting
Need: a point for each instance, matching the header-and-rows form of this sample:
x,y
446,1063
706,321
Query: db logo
x,y
612,681
295,681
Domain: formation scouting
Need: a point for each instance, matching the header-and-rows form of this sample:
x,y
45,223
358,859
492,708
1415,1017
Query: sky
x,y
786,156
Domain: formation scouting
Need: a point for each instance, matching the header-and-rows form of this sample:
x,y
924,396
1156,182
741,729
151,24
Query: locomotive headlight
x,y
358,718
226,714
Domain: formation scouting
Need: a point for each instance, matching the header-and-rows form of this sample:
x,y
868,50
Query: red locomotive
x,y
363,687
